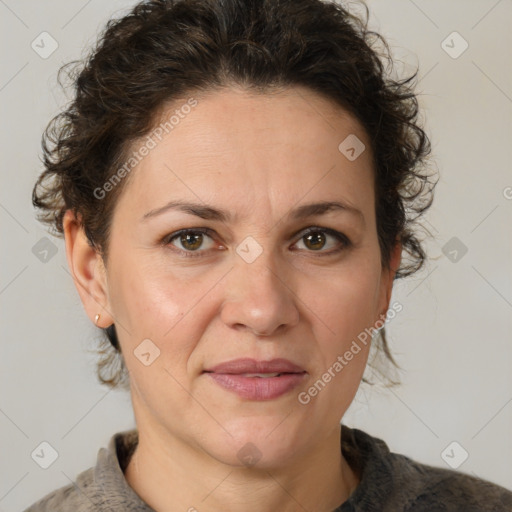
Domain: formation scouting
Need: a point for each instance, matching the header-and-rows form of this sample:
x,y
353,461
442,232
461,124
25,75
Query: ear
x,y
88,271
388,276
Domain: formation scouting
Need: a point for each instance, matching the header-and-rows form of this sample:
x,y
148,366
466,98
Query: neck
x,y
170,475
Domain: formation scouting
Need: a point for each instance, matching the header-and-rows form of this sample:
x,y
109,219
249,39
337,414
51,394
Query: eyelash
x,y
342,238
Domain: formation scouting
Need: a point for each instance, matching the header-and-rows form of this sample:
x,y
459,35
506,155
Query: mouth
x,y
254,367
260,375
257,380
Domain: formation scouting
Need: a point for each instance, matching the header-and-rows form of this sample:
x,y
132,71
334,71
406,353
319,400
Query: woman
x,y
236,183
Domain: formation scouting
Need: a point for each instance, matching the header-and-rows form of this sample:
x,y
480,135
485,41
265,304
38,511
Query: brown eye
x,y
315,240
190,240
318,239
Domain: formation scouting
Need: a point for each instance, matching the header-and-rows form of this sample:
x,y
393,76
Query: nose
x,y
260,297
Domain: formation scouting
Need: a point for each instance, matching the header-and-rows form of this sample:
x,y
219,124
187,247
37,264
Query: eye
x,y
194,242
315,239
190,240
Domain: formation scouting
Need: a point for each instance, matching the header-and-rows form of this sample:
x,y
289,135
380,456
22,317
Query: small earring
x,y
96,318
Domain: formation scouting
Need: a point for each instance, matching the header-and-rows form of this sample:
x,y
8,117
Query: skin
x,y
259,157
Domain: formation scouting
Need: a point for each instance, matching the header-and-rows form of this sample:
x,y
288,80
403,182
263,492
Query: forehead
x,y
240,146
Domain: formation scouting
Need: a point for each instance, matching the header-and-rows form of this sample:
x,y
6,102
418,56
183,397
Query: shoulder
x,y
391,481
102,487
70,497
427,488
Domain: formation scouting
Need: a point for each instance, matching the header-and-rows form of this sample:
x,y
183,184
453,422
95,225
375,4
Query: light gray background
x,y
452,337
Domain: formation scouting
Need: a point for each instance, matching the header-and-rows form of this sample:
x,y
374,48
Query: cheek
x,y
345,304
152,302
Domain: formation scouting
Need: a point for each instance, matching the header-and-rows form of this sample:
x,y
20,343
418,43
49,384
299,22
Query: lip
x,y
230,376
248,365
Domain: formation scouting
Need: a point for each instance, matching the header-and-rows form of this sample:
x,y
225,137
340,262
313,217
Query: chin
x,y
261,442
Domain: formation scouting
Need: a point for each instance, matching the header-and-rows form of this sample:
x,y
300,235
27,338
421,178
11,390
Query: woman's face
x,y
248,282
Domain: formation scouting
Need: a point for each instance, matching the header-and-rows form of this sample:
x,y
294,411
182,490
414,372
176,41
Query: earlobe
x,y
88,271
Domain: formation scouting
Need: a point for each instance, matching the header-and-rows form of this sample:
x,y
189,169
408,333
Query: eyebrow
x,y
210,213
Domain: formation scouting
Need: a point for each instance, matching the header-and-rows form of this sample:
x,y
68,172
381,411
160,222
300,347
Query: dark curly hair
x,y
165,49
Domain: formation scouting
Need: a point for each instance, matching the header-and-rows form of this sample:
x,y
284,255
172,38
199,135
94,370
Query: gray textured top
x,y
389,482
